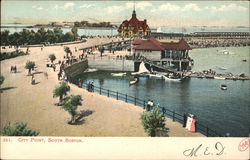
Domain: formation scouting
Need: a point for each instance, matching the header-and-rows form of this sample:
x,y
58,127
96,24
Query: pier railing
x,y
205,130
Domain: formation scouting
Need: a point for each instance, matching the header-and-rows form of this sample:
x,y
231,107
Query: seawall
x,y
111,64
76,68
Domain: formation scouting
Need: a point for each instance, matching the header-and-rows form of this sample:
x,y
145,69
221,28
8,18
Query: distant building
x,y
134,27
168,54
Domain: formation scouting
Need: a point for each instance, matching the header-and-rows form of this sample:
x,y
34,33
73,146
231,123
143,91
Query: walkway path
x,y
34,104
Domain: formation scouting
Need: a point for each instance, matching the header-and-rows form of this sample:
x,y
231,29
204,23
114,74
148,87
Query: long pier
x,y
217,76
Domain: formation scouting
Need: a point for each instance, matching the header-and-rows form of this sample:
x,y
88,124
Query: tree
x,y
30,65
52,57
68,37
18,129
70,104
74,31
61,90
67,50
5,37
1,79
152,121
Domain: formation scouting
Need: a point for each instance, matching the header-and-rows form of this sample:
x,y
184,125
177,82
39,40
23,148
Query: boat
x,y
222,68
225,52
159,30
155,75
244,60
91,70
143,71
171,77
223,87
134,81
219,77
118,74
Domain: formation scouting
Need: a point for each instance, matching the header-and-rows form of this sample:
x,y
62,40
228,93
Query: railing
x,y
140,102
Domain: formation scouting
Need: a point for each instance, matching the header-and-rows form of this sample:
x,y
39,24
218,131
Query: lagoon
x,y
224,111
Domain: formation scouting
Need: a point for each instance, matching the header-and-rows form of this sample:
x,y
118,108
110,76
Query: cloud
x,y
129,5
37,7
230,7
195,7
142,5
68,4
112,9
192,7
65,6
169,7
87,5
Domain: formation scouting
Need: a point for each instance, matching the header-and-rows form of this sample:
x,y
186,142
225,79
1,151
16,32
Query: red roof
x,y
154,44
135,23
149,44
137,41
181,45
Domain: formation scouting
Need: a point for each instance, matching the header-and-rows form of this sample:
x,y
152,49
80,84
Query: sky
x,y
157,13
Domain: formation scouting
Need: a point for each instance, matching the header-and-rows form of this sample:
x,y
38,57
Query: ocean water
x,y
113,32
224,111
86,32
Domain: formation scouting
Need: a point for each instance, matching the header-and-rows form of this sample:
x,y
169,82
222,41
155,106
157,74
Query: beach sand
x,y
35,105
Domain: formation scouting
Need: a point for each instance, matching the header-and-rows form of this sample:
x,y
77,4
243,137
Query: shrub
x,y
13,54
1,79
18,129
152,121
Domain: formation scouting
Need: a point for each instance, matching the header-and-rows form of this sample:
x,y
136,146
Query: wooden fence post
x,y
207,131
174,116
117,95
126,98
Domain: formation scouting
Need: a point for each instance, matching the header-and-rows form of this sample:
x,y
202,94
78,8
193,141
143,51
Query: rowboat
x,y
118,74
219,77
134,81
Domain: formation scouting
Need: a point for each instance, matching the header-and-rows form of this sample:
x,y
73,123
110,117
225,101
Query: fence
x,y
140,102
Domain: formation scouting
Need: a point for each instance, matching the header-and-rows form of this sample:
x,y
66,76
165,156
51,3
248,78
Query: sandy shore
x,y
34,104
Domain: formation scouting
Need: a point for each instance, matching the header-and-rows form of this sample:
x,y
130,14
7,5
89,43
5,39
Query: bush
x,y
1,79
18,129
152,121
13,54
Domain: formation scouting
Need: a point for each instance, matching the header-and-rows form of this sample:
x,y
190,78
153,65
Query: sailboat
x,y
143,71
159,30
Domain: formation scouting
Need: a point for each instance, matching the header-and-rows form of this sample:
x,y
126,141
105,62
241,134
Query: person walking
x,y
14,69
54,68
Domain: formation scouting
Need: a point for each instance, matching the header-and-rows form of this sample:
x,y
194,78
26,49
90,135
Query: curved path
x,y
34,104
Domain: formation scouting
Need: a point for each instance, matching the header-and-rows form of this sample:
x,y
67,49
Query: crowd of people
x,y
13,69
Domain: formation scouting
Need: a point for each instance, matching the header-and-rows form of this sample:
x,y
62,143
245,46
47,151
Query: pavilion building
x,y
167,54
